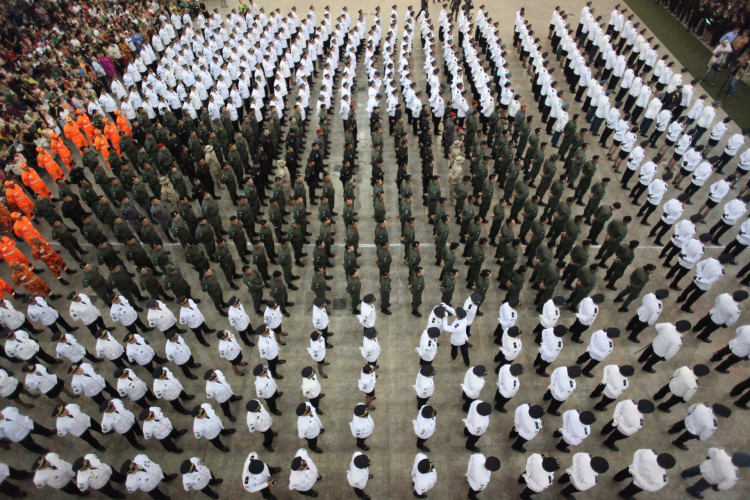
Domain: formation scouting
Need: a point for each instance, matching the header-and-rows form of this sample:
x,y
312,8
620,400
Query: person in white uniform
x,y
69,419
118,418
18,428
700,423
648,472
109,348
474,381
647,314
527,422
304,474
683,385
144,475
256,476
83,310
561,386
207,424
362,425
627,419
309,426
576,426
196,476
92,473
479,471
167,387
50,470
266,388
614,383
539,474
423,475
218,388
718,471
358,474
583,474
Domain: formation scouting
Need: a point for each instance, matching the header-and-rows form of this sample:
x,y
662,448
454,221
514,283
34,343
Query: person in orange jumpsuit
x,y
6,221
6,288
122,123
45,160
10,253
24,275
34,182
18,199
73,133
101,144
112,133
41,250
58,148
24,228
85,124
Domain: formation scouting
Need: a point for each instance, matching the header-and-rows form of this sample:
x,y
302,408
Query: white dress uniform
x,y
75,423
209,427
650,309
475,423
507,317
146,479
219,389
57,476
525,425
740,344
238,318
254,482
10,317
68,347
427,348
719,470
550,315
667,341
362,427
121,419
320,318
89,382
199,478
561,385
477,475
139,351
537,479
582,476
472,384
109,348
96,476
587,312
84,310
600,345
309,426
370,349
229,349
684,383
647,474
272,318
259,421
425,386
434,321
317,349
357,477
159,427
14,426
168,388
507,383
39,310
268,348
424,428
265,387
8,384
303,480
614,382
422,482
457,331
627,417
511,346
131,386
310,387
41,379
726,311
367,315
123,312
22,346
161,318
190,315
179,352
573,430
551,345
701,421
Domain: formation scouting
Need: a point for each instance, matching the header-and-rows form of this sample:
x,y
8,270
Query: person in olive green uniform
x,y
483,282
472,234
585,283
441,238
226,263
638,281
260,261
568,237
318,285
211,286
150,284
413,259
555,195
475,262
180,229
383,258
602,214
449,261
448,286
549,170
175,282
623,258
196,258
236,233
561,218
498,217
120,279
547,286
508,261
598,191
587,175
516,283
279,293
617,230
381,232
579,258
385,292
246,216
254,284
350,259
297,240
353,288
284,260
62,234
205,234
433,196
148,233
417,288
92,277
541,260
107,256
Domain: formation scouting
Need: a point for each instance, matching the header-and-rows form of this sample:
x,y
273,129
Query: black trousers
x,y
576,329
635,326
707,326
690,295
97,325
471,439
464,353
168,442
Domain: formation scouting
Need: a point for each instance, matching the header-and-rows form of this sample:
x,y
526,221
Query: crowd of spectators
x,y
711,19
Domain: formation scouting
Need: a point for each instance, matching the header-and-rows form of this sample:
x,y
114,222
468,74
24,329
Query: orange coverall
x,y
18,199
41,250
45,160
85,124
58,147
10,253
122,123
34,182
73,133
24,275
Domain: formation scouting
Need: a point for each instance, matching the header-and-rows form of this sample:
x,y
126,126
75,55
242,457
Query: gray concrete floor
x,y
393,442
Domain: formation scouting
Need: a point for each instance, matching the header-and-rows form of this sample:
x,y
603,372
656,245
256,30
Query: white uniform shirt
x,y
39,310
707,272
526,426
41,379
8,384
561,385
311,386
179,352
507,383
719,470
477,475
120,419
159,427
190,315
268,348
139,351
219,389
740,345
550,314
647,473
582,476
427,349
629,419
511,346
68,347
131,386
472,384
14,426
320,318
551,345
229,349
161,318
10,317
537,479
57,476
424,428
89,382
199,478
75,423
650,309
700,421
109,348
725,311
475,423
357,477
208,427
238,318
600,345
309,426
254,482
259,421
367,315
362,427
168,387
303,480
370,349
123,312
573,430
84,310
667,341
96,476
272,317
265,386
587,312
145,479
614,382
457,331
422,482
